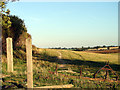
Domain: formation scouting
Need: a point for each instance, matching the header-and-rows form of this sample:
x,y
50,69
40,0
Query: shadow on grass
x,y
12,85
78,62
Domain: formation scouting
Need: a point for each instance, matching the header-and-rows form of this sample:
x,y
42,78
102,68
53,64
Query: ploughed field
x,y
69,64
106,51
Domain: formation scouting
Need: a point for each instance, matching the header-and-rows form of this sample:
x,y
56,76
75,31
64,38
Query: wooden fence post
x,y
80,72
9,55
1,56
29,63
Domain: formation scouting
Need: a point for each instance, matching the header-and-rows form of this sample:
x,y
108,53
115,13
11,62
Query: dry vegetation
x,y
45,60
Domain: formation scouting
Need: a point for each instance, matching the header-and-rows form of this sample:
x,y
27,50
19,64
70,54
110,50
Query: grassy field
x,y
82,55
45,60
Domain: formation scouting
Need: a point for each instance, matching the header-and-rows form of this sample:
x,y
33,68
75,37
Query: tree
x,y
104,46
12,26
17,28
6,23
96,47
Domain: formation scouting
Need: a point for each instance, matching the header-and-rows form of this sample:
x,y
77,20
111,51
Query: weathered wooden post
x,y
9,54
80,72
56,69
107,75
0,56
29,63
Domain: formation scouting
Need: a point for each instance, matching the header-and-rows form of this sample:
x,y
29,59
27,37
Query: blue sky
x,y
69,24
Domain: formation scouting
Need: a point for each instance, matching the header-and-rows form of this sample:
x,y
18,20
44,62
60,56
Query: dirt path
x,y
60,55
63,62
60,61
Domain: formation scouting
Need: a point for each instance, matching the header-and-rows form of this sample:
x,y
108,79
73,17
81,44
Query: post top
x,y
8,37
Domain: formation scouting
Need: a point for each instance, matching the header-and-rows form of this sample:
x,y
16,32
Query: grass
x,y
88,56
45,60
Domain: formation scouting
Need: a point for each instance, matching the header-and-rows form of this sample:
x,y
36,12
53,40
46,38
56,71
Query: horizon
x,y
69,24
102,46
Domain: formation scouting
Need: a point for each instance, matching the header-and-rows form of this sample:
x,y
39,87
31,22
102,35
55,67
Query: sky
x,y
69,24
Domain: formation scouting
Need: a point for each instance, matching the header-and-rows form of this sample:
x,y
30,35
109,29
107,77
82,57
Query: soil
x,y
106,51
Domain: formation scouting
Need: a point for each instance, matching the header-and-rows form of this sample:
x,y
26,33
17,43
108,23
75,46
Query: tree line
x,y
84,48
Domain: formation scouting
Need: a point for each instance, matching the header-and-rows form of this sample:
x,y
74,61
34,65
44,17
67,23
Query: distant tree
x,y
108,47
104,46
96,47
88,47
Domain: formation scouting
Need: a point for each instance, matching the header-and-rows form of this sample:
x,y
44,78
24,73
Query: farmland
x,y
45,61
107,51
